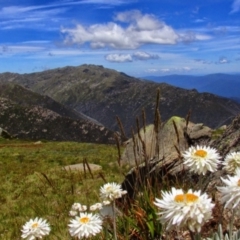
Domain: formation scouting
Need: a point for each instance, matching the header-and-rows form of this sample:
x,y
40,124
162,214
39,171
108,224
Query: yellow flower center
x,y
109,189
34,225
200,153
84,220
238,183
188,198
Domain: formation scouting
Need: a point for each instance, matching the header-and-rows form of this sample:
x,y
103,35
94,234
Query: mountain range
x,y
97,95
226,85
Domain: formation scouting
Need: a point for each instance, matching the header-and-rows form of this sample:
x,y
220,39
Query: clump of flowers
x,y
230,193
96,206
85,225
179,209
105,202
111,191
201,159
76,208
35,228
231,162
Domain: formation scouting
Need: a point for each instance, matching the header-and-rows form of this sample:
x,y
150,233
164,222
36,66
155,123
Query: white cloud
x,y
118,58
191,36
223,60
4,49
175,70
140,55
235,6
186,68
151,70
36,17
105,2
200,20
202,61
11,11
164,70
30,11
202,37
221,30
142,22
222,44
142,29
144,55
20,49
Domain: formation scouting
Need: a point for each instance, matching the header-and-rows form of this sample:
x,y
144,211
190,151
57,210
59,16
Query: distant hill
x,y
25,97
225,85
29,115
104,94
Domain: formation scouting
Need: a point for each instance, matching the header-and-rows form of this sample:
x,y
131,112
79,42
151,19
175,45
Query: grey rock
x,y
174,137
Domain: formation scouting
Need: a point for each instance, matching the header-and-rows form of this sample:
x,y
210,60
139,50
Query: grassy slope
x,y
34,184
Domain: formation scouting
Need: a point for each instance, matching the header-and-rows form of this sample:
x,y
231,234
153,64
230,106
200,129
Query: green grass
x,y
34,183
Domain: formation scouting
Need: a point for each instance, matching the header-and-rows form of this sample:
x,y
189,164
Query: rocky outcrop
x,y
176,136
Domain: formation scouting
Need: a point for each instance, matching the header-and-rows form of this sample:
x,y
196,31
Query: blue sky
x,y
138,37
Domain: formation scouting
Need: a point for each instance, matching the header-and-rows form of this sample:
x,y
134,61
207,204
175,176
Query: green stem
x,y
114,220
191,235
194,236
200,182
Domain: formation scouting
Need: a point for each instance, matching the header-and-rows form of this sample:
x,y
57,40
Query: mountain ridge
x,y
103,94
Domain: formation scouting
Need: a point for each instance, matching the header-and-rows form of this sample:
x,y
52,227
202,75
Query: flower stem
x,y
191,235
194,236
114,220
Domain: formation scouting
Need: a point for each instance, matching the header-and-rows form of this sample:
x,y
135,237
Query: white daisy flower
x,y
230,194
96,206
201,159
83,208
231,162
85,225
35,228
179,209
73,213
111,191
76,206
